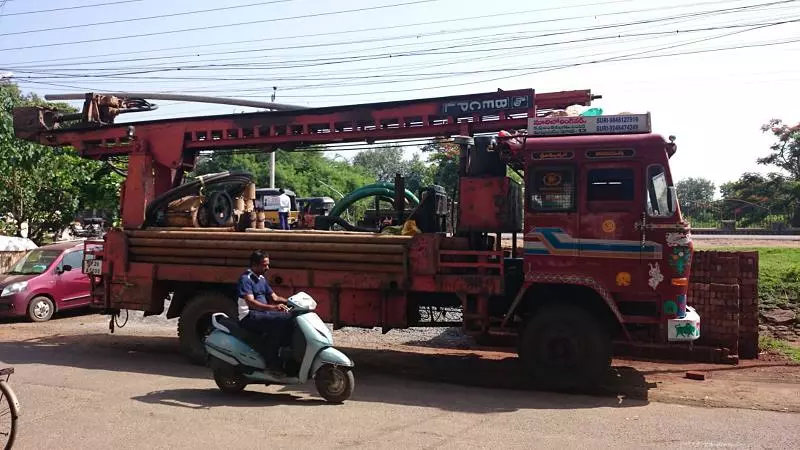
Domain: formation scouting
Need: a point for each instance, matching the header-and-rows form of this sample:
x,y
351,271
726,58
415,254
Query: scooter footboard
x,y
332,356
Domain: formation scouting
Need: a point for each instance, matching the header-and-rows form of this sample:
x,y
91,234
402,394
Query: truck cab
x,y
605,248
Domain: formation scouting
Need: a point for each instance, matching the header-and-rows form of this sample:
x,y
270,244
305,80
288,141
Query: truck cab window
x,y
551,189
610,185
660,196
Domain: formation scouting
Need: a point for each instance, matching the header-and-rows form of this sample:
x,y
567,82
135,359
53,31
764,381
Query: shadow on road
x,y
211,398
159,355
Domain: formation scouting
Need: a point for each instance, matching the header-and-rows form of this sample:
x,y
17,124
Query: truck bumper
x,y
684,329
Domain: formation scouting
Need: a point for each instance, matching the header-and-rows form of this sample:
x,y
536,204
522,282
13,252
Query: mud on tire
x,y
564,347
195,322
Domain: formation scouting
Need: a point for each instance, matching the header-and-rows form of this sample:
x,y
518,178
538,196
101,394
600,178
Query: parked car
x,y
44,281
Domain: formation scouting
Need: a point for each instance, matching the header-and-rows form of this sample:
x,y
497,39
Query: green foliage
x,y
695,191
308,173
385,162
786,150
754,197
42,186
444,158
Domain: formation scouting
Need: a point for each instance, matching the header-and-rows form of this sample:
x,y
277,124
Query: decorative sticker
x,y
552,179
678,239
670,308
685,329
609,226
655,275
680,259
681,305
623,279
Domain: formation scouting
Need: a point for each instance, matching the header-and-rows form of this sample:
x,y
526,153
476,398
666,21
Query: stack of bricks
x,y
748,304
724,290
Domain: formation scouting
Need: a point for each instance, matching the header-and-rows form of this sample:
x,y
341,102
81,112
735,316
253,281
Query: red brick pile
x,y
724,290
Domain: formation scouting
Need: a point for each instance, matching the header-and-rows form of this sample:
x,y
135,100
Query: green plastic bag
x,y
593,112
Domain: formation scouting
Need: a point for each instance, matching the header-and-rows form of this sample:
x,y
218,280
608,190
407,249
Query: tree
x,y
444,158
307,173
696,190
754,197
786,151
43,187
385,162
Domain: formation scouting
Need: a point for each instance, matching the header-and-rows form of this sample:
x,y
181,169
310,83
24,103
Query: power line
x,y
539,69
362,30
136,19
630,57
70,8
515,37
228,25
433,51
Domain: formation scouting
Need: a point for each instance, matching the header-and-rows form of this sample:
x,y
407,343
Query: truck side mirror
x,y
66,268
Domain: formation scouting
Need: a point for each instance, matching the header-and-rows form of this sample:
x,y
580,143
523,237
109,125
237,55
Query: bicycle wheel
x,y
9,413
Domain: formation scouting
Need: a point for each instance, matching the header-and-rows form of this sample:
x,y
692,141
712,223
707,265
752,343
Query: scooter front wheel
x,y
228,381
335,384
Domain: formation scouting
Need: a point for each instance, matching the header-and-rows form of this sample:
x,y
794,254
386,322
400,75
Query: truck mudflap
x,y
686,328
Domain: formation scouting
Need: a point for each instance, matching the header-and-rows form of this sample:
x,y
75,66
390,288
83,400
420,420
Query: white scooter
x,y
236,363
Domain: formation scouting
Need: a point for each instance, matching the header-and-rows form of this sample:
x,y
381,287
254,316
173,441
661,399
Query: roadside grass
x,y
778,275
780,347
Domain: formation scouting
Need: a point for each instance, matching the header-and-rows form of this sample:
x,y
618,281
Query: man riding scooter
x,y
262,311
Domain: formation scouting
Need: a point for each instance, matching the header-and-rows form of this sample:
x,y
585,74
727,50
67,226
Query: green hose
x,y
378,189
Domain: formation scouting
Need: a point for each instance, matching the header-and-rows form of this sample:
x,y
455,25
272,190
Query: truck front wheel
x,y
195,322
564,347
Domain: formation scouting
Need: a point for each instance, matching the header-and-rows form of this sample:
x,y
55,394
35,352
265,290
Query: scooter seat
x,y
236,330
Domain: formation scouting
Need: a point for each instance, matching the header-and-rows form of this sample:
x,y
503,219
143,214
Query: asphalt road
x,y
138,394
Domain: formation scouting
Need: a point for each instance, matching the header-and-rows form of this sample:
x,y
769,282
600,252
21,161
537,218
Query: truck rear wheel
x,y
195,322
564,347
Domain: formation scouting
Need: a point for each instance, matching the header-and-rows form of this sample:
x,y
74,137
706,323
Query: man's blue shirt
x,y
255,285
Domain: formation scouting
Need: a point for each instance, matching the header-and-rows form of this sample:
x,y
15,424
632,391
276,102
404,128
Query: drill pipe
x,y
275,257
284,236
239,262
268,246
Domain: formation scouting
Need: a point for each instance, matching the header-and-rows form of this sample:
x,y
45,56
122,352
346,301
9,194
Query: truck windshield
x,y
35,262
660,195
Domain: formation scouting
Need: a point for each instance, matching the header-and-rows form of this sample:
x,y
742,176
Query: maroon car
x,y
46,280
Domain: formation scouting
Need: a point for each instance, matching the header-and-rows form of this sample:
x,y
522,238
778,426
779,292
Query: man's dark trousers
x,y
275,326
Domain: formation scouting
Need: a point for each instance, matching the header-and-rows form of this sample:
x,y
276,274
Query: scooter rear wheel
x,y
228,381
335,384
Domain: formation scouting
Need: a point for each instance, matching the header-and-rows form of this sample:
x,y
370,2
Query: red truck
x,y
606,253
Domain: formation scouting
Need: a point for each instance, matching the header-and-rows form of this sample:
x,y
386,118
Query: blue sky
x,y
714,101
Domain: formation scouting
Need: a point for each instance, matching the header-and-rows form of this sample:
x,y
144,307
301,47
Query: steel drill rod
x,y
239,262
274,256
272,237
184,98
269,246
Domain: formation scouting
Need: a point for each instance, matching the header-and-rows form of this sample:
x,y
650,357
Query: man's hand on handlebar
x,y
279,307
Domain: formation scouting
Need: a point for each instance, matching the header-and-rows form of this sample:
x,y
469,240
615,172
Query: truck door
x,y
610,243
665,228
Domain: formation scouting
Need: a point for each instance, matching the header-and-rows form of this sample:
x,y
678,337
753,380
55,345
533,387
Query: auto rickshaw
x,y
311,207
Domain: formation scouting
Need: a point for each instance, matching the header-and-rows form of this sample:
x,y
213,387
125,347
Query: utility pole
x,y
272,169
272,155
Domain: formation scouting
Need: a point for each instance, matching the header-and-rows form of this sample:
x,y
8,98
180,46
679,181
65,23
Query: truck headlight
x,y
14,288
